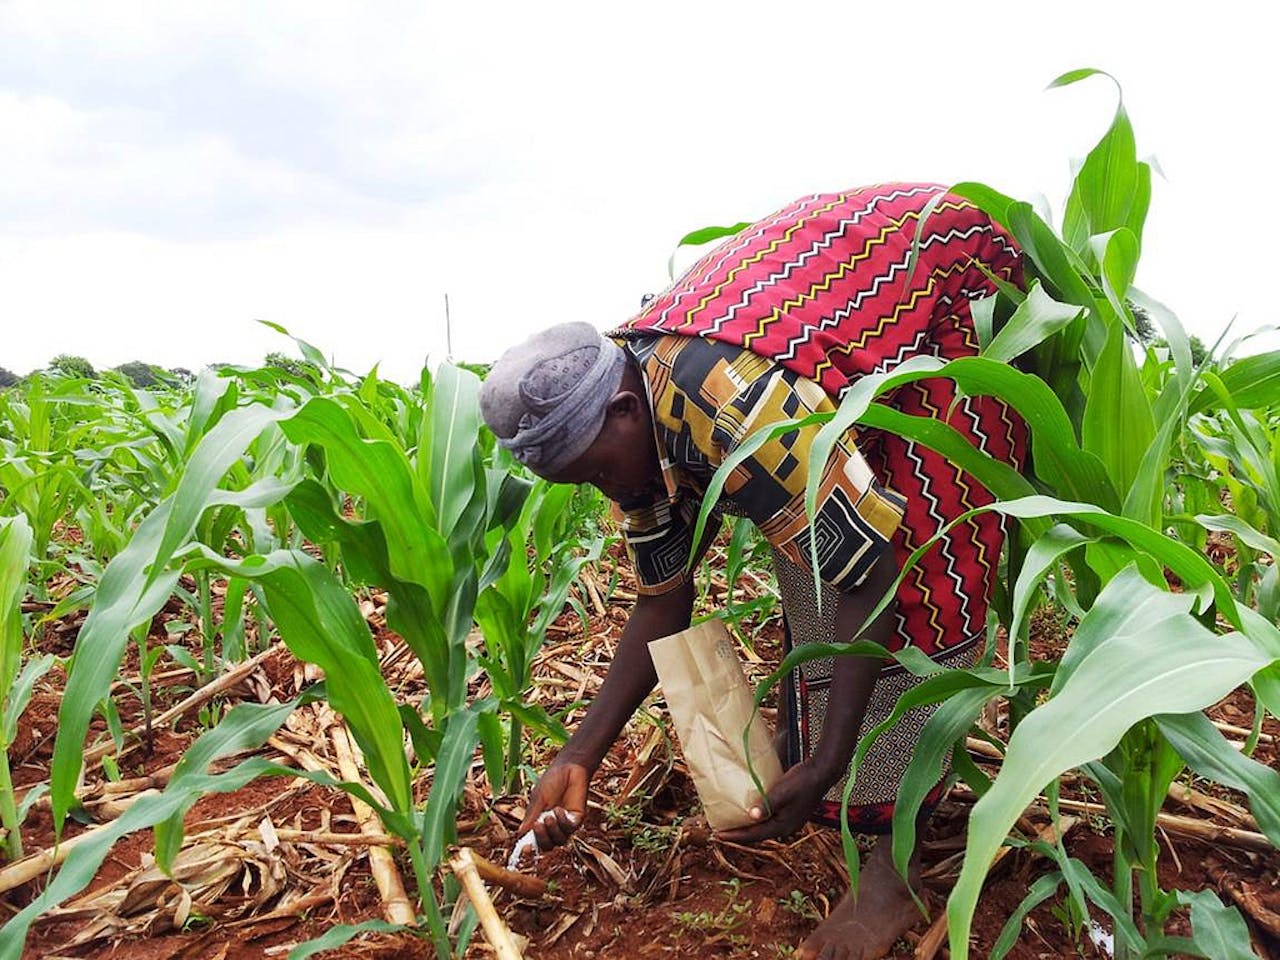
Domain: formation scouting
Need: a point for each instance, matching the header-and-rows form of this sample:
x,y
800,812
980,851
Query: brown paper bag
x,y
710,703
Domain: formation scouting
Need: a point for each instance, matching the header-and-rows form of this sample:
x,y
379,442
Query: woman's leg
x,y
865,926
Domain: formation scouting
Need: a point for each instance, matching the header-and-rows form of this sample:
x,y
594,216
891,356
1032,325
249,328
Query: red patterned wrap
x,y
829,287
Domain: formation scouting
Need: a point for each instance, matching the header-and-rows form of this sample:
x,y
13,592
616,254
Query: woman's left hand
x,y
791,801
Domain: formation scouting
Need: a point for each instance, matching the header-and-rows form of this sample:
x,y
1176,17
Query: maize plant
x,y
289,489
16,679
398,492
1123,703
514,613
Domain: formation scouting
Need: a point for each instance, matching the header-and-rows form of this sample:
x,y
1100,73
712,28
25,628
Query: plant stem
x,y
206,622
144,677
1152,926
9,809
436,925
514,755
1122,884
1255,732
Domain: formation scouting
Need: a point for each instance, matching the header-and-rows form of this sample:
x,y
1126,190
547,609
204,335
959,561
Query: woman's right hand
x,y
561,792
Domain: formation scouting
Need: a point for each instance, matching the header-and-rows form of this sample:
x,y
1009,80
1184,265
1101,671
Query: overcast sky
x,y
171,171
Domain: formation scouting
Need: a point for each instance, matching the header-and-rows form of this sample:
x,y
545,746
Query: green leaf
x,y
1042,556
454,424
410,611
119,606
1266,686
1249,535
1036,319
217,451
245,727
1145,499
1118,426
716,484
949,724
135,584
1057,263
1108,182
20,691
380,473
1179,342
1191,567
1117,254
1141,201
212,397
489,730
1216,929
1057,459
1074,76
33,794
1098,695
309,353
983,311
696,238
1107,556
994,203
536,718
968,771
1268,594
15,551
452,764
1040,891
1252,383
933,689
1209,754
1083,883
426,742
341,934
320,622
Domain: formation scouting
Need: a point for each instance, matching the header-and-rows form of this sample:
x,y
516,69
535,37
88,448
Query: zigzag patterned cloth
x,y
826,287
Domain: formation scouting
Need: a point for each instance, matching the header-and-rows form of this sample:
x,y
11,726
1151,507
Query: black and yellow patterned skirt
x,y
806,691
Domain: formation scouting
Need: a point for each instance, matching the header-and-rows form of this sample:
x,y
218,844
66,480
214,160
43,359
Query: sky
x,y
171,173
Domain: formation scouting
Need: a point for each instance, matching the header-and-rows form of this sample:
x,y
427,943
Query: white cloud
x,y
173,171
69,170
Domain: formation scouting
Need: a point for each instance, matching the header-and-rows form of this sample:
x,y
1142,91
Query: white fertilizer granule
x,y
527,841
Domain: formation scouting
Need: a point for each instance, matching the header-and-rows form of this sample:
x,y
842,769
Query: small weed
x,y
645,837
723,922
624,816
654,839
799,903
195,920
707,921
210,715
1073,922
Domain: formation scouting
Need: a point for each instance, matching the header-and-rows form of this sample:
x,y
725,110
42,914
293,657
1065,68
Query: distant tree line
x,y
141,375
146,375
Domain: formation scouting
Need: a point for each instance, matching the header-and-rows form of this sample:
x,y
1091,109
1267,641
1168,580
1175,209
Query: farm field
x,y
666,891
279,642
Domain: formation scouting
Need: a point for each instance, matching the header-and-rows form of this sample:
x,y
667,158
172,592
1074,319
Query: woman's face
x,y
622,461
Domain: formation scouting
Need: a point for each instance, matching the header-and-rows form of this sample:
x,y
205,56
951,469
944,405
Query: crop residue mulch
x,y
280,861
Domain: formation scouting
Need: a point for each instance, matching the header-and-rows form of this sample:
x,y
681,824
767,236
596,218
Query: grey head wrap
x,y
545,399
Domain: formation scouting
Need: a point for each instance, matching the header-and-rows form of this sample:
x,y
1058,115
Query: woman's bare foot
x,y
868,927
